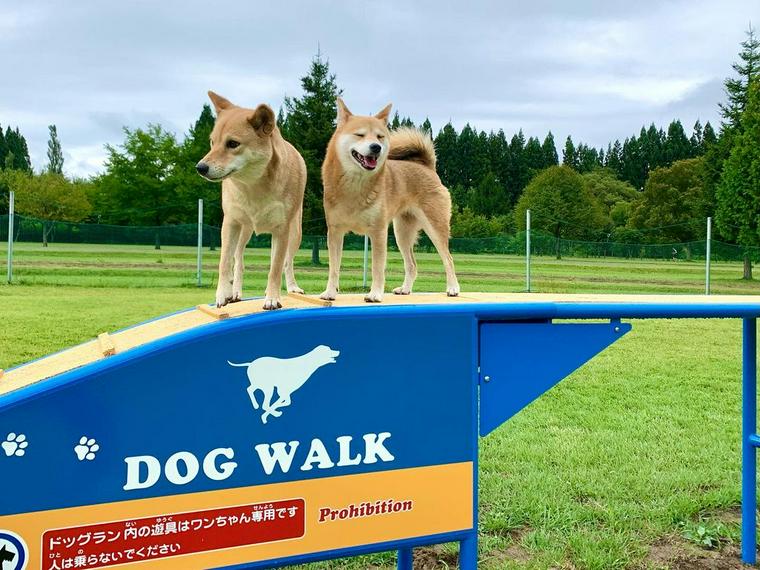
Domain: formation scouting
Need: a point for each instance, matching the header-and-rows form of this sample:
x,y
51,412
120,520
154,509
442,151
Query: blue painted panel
x,y
408,375
524,360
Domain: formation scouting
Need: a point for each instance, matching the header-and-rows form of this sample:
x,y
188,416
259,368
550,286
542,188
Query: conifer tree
x,y
54,152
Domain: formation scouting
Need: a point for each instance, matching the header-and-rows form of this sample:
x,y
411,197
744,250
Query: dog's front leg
x,y
379,239
274,282
230,235
335,252
239,264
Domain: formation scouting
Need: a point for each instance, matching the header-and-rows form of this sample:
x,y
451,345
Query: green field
x,y
618,467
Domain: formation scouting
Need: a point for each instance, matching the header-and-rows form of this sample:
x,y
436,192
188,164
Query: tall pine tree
x,y
738,192
737,88
308,124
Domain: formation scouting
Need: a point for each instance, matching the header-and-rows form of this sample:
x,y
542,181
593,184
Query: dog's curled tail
x,y
408,143
242,364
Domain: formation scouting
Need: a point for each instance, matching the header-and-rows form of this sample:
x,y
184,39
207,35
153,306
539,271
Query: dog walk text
x,y
182,467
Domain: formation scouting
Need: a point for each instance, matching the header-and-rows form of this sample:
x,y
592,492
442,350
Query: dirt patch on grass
x,y
434,558
675,553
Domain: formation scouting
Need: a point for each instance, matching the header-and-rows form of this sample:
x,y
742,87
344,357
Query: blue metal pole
x,y
749,426
404,561
468,552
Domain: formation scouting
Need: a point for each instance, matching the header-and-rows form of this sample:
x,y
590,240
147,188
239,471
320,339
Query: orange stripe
x,y
441,496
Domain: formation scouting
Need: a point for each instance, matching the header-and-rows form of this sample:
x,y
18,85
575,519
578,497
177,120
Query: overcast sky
x,y
597,70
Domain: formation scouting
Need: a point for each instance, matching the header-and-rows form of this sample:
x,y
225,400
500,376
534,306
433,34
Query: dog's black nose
x,y
375,148
202,168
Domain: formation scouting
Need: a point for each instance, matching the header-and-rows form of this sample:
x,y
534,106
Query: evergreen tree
x,y
446,145
467,147
487,198
708,136
737,88
519,174
427,127
18,152
395,122
586,158
310,122
3,148
613,157
534,156
737,213
54,152
569,154
549,150
677,145
500,163
697,140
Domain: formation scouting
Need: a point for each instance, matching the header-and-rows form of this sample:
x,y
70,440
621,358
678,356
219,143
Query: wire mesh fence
x,y
27,229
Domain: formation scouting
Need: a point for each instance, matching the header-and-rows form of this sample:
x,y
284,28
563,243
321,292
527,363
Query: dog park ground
x,y
632,462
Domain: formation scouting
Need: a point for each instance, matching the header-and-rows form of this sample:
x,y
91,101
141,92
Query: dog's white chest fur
x,y
254,206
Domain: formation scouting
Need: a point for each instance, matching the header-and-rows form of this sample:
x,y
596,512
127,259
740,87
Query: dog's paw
x,y
328,295
223,295
86,449
374,297
294,288
402,290
15,445
453,290
271,303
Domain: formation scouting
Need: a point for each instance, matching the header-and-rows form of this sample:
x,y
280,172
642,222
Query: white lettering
x,y
225,469
153,472
172,467
374,447
277,456
317,454
345,459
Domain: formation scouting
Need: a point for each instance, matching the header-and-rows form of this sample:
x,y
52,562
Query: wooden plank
x,y
214,312
311,299
107,347
1,373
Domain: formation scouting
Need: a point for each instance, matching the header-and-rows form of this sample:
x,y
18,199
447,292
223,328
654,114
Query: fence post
x,y
200,241
11,208
707,256
366,251
527,250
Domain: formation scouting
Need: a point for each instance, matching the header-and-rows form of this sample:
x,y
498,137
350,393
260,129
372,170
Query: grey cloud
x,y
595,69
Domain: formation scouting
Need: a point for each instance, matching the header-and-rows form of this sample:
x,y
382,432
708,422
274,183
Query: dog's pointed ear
x,y
220,103
263,120
385,113
343,112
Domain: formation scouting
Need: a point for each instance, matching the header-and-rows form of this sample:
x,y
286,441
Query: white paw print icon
x,y
86,448
15,444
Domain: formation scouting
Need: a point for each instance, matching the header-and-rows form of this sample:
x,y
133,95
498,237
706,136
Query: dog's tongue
x,y
370,161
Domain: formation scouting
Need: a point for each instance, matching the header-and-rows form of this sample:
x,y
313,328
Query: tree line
x,y
648,188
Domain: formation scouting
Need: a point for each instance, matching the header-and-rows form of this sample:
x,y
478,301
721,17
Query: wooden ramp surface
x,y
111,343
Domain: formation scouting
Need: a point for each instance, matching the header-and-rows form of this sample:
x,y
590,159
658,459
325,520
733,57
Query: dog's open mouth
x,y
366,162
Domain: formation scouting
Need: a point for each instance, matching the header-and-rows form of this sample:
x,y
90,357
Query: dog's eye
x,y
360,135
232,144
380,137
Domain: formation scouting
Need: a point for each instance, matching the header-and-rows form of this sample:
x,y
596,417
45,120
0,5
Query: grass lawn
x,y
631,453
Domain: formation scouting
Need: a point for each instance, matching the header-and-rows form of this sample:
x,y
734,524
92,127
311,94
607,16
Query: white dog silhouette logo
x,y
286,375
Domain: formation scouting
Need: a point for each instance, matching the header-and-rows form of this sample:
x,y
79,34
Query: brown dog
x,y
263,181
372,176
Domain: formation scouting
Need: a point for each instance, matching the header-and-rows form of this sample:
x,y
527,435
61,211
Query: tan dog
x,y
372,176
263,180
